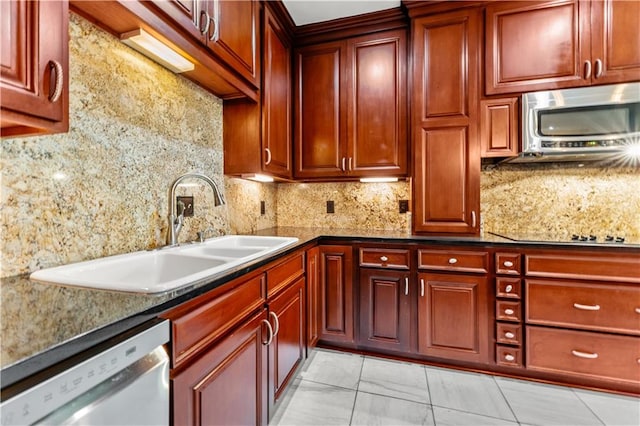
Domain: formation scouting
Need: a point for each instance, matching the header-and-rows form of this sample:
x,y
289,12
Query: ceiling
x,y
310,11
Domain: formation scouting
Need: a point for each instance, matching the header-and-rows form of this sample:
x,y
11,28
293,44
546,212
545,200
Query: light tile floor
x,y
336,388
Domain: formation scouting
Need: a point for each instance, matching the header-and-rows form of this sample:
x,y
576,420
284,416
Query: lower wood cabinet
x,y
313,296
287,349
228,383
453,317
336,305
385,309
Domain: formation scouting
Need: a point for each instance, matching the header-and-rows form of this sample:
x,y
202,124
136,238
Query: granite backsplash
x,y
102,188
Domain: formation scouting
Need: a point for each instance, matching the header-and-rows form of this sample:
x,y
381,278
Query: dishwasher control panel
x,y
37,402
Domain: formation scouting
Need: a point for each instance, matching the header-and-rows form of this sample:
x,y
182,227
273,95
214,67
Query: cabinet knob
x,y
384,258
508,263
508,288
637,310
509,335
453,260
509,357
508,311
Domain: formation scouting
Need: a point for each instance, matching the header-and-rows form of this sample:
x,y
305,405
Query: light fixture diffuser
x,y
258,177
156,50
379,179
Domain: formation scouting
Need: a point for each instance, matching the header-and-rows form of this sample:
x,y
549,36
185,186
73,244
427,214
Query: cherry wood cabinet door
x,y
34,67
336,294
287,350
319,99
499,127
453,317
536,45
377,114
276,98
228,384
191,15
233,36
313,296
614,41
385,309
445,107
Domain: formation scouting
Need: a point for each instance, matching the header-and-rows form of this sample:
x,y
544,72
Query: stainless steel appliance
x,y
583,124
126,384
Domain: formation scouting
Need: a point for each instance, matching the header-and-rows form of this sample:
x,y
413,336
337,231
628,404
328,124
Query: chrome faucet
x,y
176,218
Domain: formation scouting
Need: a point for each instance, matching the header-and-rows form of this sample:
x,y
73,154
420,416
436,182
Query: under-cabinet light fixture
x,y
379,179
156,50
258,177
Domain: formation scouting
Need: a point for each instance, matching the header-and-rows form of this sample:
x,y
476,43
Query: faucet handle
x,y
202,234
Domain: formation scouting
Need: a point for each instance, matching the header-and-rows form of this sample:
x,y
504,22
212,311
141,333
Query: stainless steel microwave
x,y
589,123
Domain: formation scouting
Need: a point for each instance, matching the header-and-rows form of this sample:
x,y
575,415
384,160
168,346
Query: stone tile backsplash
x,y
102,188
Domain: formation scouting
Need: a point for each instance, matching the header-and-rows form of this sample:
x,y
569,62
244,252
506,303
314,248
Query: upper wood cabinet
x,y
257,136
228,28
542,45
446,148
499,127
34,67
350,107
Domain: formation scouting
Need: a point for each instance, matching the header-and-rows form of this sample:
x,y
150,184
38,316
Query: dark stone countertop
x,y
43,324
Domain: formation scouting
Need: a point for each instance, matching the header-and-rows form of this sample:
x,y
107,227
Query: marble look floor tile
x,y
469,392
381,410
315,404
448,417
333,368
396,379
539,404
612,409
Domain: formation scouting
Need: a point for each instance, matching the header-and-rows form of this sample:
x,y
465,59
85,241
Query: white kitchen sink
x,y
163,270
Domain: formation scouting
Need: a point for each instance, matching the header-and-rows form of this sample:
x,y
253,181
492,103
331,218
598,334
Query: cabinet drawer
x,y
508,263
508,356
508,287
584,353
507,310
449,260
283,274
607,307
509,333
199,327
384,258
600,266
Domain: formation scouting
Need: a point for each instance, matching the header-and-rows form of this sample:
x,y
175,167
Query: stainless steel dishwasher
x,y
125,384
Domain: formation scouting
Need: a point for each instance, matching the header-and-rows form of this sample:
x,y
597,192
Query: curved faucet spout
x,y
175,219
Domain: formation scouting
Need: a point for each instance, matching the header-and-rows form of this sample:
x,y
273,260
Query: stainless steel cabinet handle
x,y
586,307
509,357
276,326
508,288
268,151
584,354
509,335
473,219
453,260
384,258
57,90
598,72
270,339
406,286
213,35
350,163
587,69
508,311
507,263
344,159
204,17
421,287
637,310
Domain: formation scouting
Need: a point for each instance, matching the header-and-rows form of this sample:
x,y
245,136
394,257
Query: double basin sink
x,y
167,269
